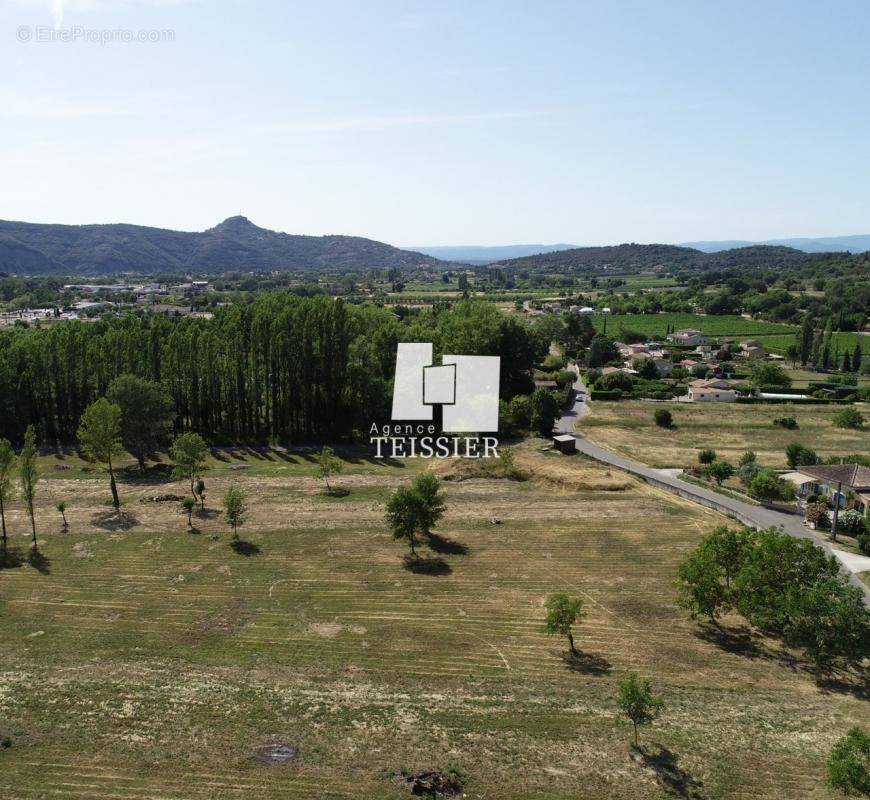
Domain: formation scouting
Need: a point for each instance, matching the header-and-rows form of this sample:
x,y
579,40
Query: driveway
x,y
578,407
751,515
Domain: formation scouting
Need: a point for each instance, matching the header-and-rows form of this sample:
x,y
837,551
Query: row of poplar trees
x,y
279,368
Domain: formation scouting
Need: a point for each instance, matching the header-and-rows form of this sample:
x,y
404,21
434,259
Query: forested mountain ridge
x,y
236,243
634,257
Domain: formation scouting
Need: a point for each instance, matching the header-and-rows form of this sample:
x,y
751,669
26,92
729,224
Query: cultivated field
x,y
147,662
775,336
728,428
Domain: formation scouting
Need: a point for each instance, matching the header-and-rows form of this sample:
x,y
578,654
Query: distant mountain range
x,y
828,244
634,257
482,254
32,249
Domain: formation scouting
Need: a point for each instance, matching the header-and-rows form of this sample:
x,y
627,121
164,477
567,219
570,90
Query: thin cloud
x,y
14,105
378,122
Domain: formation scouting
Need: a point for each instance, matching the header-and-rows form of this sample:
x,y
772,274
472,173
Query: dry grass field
x,y
728,428
145,662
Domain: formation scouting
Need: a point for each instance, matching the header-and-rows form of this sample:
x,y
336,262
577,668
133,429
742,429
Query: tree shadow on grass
x,y
12,559
671,776
114,520
336,491
39,561
245,548
586,663
207,513
741,640
426,566
445,545
854,682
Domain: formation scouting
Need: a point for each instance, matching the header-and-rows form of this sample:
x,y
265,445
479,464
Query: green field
x,y
146,662
775,336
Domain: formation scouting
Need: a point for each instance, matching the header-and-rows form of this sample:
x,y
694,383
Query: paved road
x,y
757,516
578,408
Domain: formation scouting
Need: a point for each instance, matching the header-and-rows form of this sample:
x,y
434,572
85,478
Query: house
x,y
711,390
752,348
804,484
565,443
586,311
688,336
842,483
605,310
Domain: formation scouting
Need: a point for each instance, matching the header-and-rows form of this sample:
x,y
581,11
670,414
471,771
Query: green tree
x,y
200,490
7,466
235,508
706,456
706,575
28,472
545,409
663,418
797,455
849,764
188,453
602,350
562,613
767,373
720,471
403,514
768,486
414,510
147,413
100,438
328,464
637,702
188,504
61,507
849,417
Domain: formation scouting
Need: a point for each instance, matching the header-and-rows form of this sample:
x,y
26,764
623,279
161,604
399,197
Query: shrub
x,y
552,363
597,394
768,486
720,471
615,380
748,472
852,522
789,423
849,417
663,418
706,456
748,457
798,455
864,543
817,513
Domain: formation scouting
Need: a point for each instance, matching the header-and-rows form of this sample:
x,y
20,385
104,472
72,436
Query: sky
x,y
441,123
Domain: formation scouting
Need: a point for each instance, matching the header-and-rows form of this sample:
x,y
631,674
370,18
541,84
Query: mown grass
x,y
149,662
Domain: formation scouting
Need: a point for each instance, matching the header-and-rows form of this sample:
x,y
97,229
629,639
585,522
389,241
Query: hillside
x,y
27,248
830,244
634,257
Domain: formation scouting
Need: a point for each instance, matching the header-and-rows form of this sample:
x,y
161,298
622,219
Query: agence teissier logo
x,y
465,387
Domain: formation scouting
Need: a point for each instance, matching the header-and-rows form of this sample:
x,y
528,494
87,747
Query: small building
x,y
711,390
688,336
752,348
843,484
565,443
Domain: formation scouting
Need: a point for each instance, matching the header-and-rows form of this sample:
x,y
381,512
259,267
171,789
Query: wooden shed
x,y
565,443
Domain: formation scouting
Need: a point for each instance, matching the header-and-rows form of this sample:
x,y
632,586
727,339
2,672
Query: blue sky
x,y
443,122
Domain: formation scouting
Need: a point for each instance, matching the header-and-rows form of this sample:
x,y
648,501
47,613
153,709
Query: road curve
x,y
751,515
